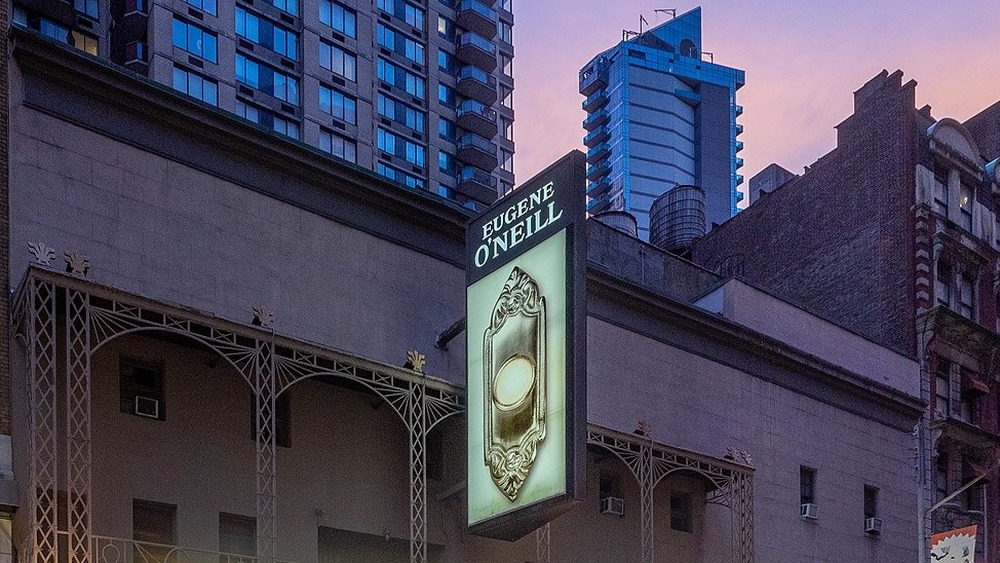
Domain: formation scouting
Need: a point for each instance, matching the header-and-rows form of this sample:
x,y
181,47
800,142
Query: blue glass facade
x,y
659,115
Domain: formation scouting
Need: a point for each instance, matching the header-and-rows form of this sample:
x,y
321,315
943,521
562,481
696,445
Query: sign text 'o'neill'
x,y
517,223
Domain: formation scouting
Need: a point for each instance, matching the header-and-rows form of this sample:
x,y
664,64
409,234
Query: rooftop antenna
x,y
642,20
671,11
628,34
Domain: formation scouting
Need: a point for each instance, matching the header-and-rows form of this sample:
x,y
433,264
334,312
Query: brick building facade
x,y
896,237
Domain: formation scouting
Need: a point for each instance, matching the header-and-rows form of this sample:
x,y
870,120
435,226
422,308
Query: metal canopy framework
x,y
650,462
90,315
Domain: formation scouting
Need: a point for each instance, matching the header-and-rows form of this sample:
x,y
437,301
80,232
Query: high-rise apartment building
x,y
419,91
661,114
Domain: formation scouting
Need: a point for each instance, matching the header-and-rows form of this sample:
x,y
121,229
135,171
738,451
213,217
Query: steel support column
x,y
42,390
78,453
265,392
417,423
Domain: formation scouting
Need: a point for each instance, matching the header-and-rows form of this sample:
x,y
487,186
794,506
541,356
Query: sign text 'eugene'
x,y
516,224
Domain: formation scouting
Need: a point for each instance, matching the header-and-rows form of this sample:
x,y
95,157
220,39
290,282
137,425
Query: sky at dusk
x,y
803,60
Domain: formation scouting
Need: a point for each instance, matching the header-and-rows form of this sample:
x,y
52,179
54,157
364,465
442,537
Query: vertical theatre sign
x,y
525,311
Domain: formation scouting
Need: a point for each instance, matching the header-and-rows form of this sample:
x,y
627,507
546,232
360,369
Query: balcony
x,y
474,49
598,190
739,129
594,76
477,84
477,184
739,163
597,136
595,120
474,116
476,16
595,101
739,110
598,152
55,10
739,146
477,151
598,171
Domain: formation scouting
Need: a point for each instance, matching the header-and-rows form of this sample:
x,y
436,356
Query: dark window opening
x,y
681,512
141,388
237,536
807,485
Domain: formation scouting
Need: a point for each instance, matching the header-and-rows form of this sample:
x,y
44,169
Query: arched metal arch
x,y
651,462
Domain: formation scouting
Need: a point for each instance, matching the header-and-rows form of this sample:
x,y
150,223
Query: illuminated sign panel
x,y
526,382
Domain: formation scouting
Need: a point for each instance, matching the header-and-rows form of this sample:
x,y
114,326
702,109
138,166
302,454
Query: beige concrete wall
x,y
695,403
814,335
170,232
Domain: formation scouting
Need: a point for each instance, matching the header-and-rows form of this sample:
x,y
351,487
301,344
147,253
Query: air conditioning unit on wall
x,y
613,505
147,406
873,526
810,511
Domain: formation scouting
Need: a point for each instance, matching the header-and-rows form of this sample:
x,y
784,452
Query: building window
x,y
506,5
88,7
507,125
941,476
400,146
507,96
446,96
153,523
83,42
338,146
405,11
446,129
290,6
282,419
195,40
446,28
401,44
401,78
268,80
262,32
942,286
446,163
338,17
966,295
807,485
247,111
942,388
506,161
285,127
140,386
446,62
338,61
941,190
507,64
871,502
401,113
237,535
681,512
337,104
207,6
506,33
408,180
965,200
609,486
435,455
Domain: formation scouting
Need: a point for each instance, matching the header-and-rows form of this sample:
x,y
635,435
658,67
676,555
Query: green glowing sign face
x,y
517,406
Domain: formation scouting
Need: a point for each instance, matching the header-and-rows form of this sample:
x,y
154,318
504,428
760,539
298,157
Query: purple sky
x,y
802,60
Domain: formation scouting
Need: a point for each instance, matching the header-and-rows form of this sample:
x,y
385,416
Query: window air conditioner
x,y
873,526
147,406
810,511
613,505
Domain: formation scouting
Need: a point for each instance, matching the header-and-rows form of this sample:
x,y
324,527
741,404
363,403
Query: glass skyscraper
x,y
661,114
